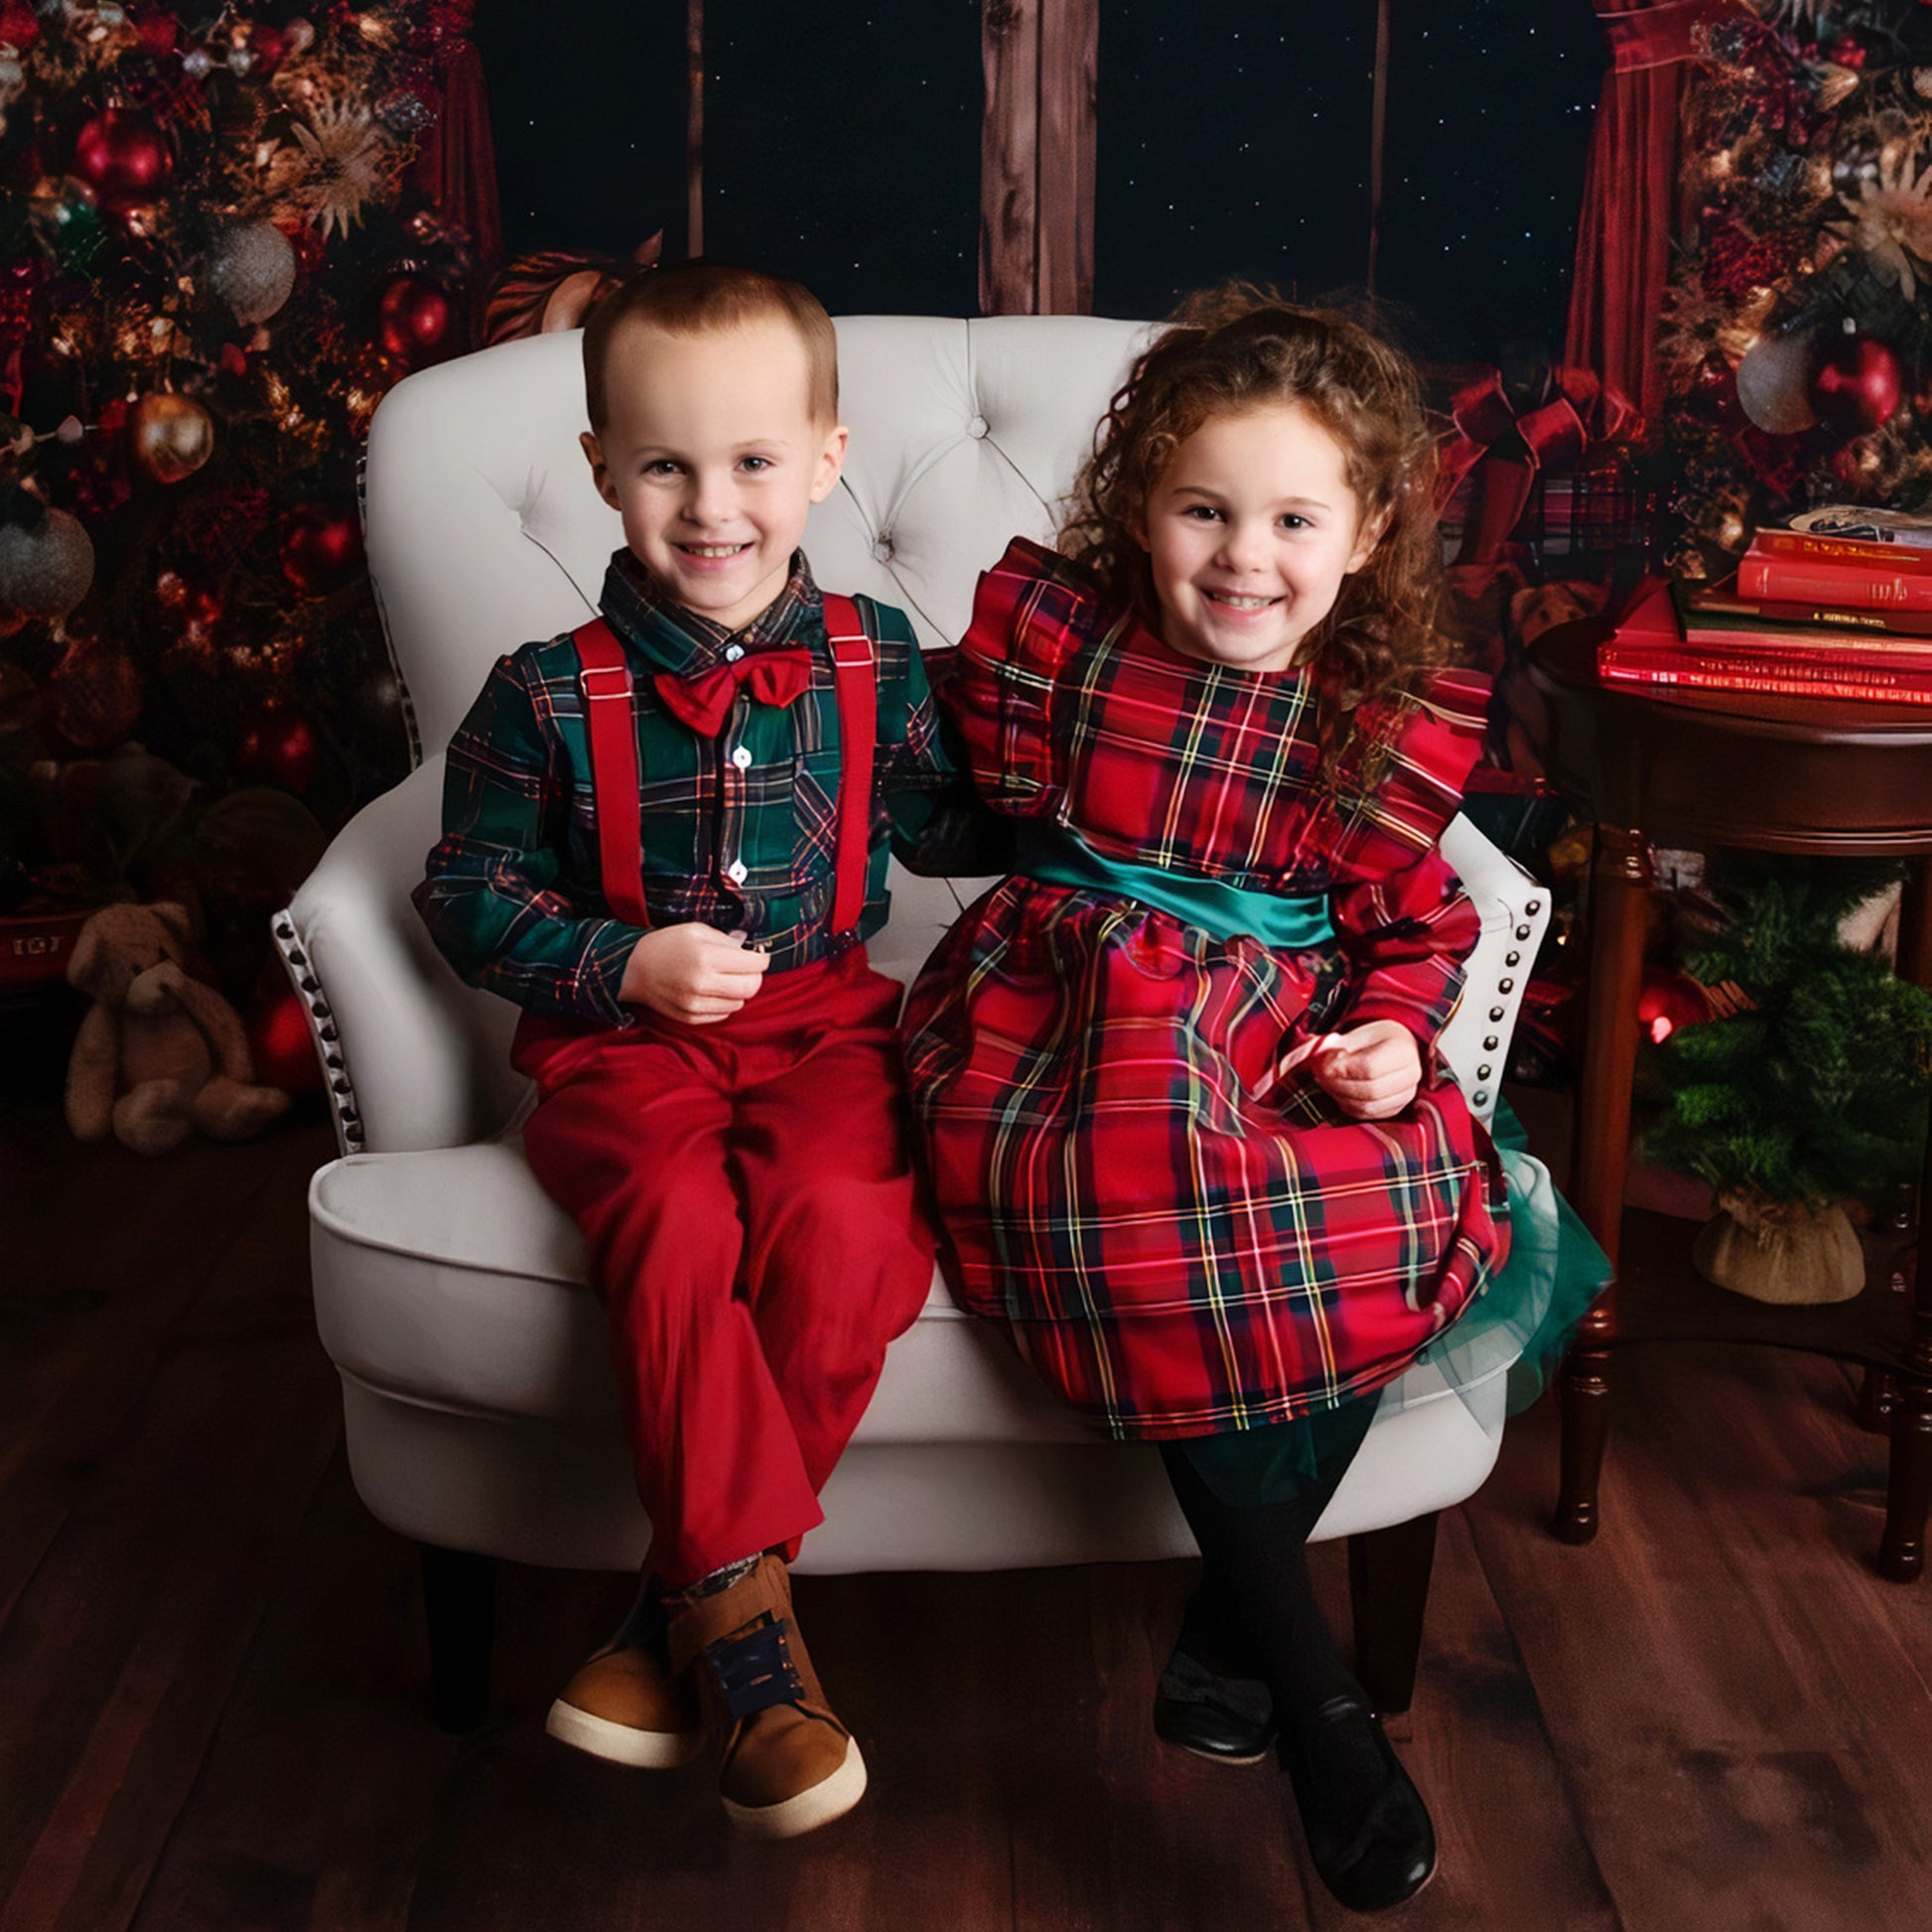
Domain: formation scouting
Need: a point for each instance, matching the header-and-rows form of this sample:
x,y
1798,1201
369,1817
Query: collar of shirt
x,y
672,638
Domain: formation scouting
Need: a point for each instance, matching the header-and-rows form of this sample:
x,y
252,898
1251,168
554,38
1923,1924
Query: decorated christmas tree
x,y
225,238
1796,340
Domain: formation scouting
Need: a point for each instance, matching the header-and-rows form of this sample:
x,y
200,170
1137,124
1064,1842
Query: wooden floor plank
x,y
91,1297
213,1683
311,1804
118,1656
1738,1701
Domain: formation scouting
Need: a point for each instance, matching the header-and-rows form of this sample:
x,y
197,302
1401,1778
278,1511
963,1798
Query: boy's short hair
x,y
694,298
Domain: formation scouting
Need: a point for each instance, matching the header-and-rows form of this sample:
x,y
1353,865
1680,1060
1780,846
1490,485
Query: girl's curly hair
x,y
1237,348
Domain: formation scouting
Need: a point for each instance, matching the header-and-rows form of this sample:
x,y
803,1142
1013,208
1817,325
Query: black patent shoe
x,y
1229,1719
1368,1830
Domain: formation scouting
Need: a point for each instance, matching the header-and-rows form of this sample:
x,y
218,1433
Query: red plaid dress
x,y
1178,1244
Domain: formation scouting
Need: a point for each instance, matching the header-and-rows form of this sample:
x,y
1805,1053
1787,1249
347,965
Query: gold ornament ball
x,y
170,436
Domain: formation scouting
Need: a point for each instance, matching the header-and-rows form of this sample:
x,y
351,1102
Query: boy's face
x,y
712,456
1250,530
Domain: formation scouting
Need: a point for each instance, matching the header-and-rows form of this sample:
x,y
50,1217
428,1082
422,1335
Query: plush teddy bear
x,y
160,1053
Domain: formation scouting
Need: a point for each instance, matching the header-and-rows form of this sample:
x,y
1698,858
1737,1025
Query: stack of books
x,y
1806,616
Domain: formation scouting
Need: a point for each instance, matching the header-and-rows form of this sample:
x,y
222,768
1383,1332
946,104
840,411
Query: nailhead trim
x,y
324,1034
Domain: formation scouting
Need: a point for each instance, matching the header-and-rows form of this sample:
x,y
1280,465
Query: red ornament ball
x,y
94,695
19,24
1669,1000
1857,386
159,33
279,747
124,157
280,1044
321,548
413,319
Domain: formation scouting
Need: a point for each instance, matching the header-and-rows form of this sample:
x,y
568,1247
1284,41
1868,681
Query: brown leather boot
x,y
790,1765
625,1703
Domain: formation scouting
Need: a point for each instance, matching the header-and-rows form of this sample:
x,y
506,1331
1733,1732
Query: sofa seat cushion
x,y
450,1279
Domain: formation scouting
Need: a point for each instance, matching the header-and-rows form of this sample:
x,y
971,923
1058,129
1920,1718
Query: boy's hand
x,y
691,972
1371,1072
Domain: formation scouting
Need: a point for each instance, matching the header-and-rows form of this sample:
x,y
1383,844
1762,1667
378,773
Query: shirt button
x,y
742,757
736,870
733,652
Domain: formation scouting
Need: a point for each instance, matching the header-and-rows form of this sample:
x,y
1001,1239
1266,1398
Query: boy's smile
x,y
1249,531
711,453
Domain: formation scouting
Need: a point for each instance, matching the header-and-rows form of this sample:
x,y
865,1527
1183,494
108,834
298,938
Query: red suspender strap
x,y
854,685
610,719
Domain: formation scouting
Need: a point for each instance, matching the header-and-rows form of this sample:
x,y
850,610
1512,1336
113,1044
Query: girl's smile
x,y
1249,531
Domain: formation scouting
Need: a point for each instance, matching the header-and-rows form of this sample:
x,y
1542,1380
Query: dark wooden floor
x,y
213,1683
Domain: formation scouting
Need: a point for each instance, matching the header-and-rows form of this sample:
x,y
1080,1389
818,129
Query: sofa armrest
x,y
414,1058
1515,912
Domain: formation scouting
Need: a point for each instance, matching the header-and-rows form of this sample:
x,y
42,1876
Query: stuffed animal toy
x,y
160,1053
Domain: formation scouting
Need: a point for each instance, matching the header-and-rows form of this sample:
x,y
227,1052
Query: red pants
x,y
749,1204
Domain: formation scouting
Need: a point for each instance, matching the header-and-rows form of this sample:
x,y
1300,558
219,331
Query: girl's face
x,y
1250,530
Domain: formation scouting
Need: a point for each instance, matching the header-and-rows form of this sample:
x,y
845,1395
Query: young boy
x,y
661,838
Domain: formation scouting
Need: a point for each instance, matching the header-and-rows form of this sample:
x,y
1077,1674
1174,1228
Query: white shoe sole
x,y
830,1798
642,1750
1222,1757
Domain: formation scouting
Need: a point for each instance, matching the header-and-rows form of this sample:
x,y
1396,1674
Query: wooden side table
x,y
1772,774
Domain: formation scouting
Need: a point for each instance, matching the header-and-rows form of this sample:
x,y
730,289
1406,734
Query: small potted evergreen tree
x,y
1811,1094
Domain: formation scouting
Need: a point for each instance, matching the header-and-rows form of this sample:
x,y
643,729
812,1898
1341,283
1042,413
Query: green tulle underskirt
x,y
1515,1332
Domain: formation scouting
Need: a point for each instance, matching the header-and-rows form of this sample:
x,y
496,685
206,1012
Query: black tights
x,y
1255,1613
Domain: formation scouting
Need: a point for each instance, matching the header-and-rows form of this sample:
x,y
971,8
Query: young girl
x,y
1186,1121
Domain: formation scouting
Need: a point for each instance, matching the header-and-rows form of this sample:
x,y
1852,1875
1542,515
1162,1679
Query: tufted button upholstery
x,y
963,434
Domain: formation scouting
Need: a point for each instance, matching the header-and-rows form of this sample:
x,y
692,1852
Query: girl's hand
x,y
691,972
1371,1072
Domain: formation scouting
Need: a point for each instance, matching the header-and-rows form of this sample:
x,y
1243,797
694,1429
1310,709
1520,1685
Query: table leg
x,y
1877,1397
1620,891
1902,1552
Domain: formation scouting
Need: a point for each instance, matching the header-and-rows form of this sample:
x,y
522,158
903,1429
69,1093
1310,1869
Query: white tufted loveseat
x,y
481,1413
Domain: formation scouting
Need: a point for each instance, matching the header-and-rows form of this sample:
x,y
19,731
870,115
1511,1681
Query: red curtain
x,y
456,165
1631,195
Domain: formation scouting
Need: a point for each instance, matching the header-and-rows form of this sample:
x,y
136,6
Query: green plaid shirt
x,y
739,831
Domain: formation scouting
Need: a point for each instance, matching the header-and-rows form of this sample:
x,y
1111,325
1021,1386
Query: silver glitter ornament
x,y
251,270
1774,383
46,572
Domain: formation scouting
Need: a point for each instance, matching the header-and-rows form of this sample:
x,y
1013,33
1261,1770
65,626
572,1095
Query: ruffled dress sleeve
x,y
1034,612
1405,923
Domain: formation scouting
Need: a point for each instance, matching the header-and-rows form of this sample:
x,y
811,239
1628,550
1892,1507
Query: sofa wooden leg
x,y
1388,1589
459,1609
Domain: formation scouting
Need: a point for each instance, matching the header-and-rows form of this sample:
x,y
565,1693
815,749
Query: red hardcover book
x,y
1844,550
1792,675
1721,617
1824,580
1666,615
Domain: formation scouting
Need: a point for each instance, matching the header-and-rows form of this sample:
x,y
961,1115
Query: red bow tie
x,y
703,700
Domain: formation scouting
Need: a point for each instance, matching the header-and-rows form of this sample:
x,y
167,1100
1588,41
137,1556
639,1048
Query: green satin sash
x,y
1288,924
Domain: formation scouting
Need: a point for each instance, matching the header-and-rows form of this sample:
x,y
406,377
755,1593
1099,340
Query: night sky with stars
x,y
842,146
